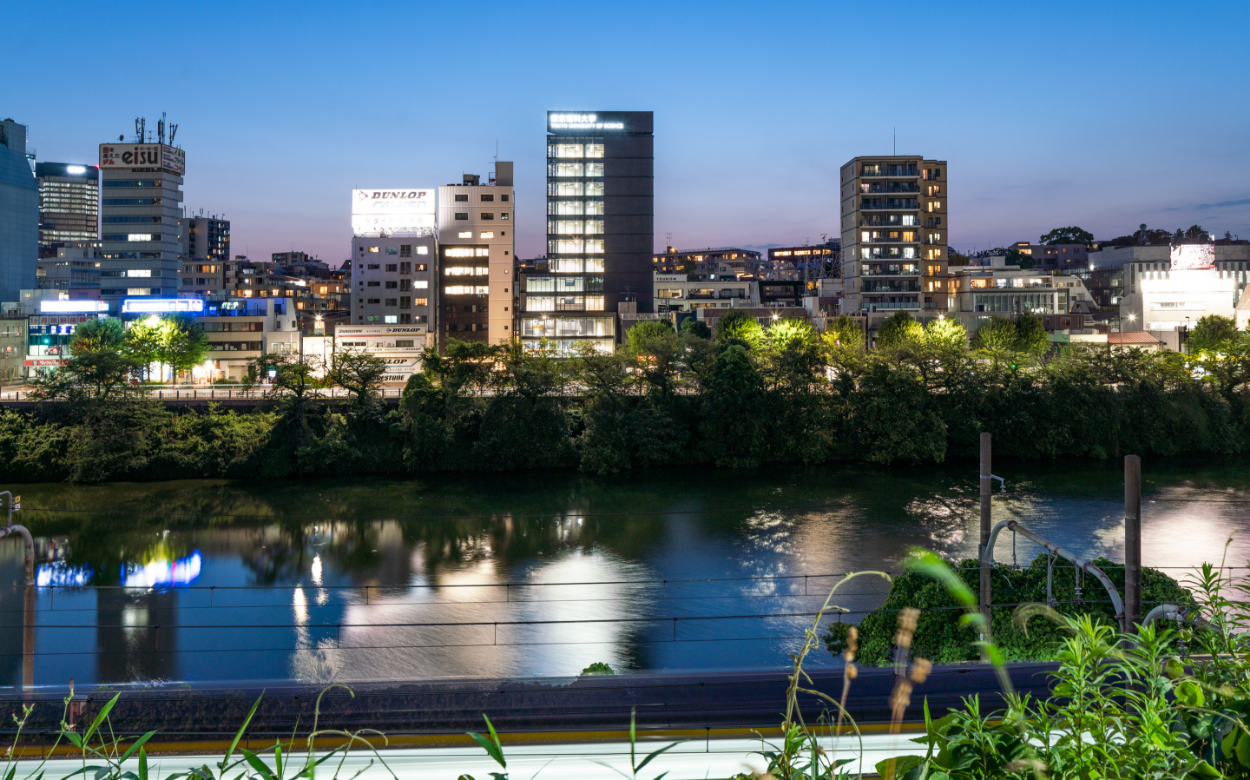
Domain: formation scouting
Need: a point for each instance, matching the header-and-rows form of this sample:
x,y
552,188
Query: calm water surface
x,y
529,575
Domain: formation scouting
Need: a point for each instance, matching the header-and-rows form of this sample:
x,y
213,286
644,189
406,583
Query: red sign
x,y
51,362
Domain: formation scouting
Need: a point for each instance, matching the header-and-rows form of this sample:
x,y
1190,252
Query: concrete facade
x,y
476,259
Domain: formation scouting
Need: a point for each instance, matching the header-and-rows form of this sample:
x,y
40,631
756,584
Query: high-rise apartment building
x,y
476,253
600,228
394,251
206,238
140,223
894,236
69,205
19,214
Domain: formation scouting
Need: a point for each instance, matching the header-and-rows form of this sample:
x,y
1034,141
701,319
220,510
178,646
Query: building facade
x,y
19,214
394,258
894,235
600,228
686,293
1055,257
476,259
75,269
140,220
69,205
206,238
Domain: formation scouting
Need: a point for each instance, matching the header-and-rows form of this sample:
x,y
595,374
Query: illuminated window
x,y
594,303
464,234
458,252
144,273
488,234
373,250
503,215
392,319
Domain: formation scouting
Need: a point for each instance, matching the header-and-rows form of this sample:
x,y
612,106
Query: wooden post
x,y
986,483
1132,543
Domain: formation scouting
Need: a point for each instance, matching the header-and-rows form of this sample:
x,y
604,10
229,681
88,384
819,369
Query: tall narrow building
x,y
19,214
140,230
476,251
69,205
894,236
600,228
393,259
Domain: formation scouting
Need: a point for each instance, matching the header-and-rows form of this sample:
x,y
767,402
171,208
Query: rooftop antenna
x,y
173,129
896,142
160,128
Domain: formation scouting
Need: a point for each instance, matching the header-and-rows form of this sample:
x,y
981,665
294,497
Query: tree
x,y
1031,338
295,379
98,366
359,373
737,325
1196,234
958,258
733,410
844,344
143,342
996,339
897,329
1067,235
1213,333
946,333
695,327
654,352
793,358
181,343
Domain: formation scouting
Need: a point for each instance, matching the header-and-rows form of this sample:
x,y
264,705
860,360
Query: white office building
x,y
394,257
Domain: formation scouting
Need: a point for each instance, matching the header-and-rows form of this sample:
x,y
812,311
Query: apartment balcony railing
x,y
891,187
890,170
888,240
883,272
869,305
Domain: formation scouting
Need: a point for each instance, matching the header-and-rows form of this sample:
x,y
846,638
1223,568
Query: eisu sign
x,y
160,156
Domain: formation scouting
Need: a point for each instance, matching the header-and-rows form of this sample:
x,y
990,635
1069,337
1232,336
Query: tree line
x,y
746,396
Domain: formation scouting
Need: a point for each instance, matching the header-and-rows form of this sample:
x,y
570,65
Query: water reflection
x,y
528,575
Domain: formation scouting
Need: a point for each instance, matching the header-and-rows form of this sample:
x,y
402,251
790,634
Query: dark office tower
x,y
69,203
19,214
600,227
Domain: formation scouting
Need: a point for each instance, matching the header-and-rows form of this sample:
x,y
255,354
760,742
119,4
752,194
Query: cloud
x,y
1222,204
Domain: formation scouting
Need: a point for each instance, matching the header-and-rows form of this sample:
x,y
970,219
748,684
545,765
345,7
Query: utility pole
x,y
1132,543
986,483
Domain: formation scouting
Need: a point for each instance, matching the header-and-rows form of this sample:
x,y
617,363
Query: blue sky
x,y
1103,115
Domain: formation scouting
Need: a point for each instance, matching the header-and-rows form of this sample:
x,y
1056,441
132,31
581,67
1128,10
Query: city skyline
x,y
1068,115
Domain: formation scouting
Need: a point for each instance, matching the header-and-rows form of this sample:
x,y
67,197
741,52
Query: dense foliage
x,y
748,396
942,638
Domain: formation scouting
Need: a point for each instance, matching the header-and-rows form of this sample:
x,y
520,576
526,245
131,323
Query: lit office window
x,y
594,207
566,189
594,264
542,303
570,169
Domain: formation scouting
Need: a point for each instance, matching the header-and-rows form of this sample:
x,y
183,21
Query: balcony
x,y
869,304
887,240
867,189
871,271
889,170
891,286
881,204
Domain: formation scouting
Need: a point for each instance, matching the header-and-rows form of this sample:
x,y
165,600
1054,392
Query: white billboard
x,y
392,202
156,156
1192,257
392,212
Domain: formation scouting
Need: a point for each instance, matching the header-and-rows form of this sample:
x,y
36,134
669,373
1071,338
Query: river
x,y
531,575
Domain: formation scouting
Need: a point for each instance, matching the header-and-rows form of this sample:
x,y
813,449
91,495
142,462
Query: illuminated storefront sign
x,y
162,306
157,156
580,122
72,307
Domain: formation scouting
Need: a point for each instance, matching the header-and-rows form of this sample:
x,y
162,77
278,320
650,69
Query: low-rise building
x,y
12,349
1054,257
75,269
239,330
719,261
399,345
677,292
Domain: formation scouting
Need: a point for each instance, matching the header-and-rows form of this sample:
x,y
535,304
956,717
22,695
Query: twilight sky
x,y
1098,114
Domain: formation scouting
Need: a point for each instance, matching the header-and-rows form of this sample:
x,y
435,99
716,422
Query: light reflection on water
x,y
349,595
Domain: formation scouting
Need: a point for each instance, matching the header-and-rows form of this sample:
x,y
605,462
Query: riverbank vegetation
x,y
942,637
748,396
